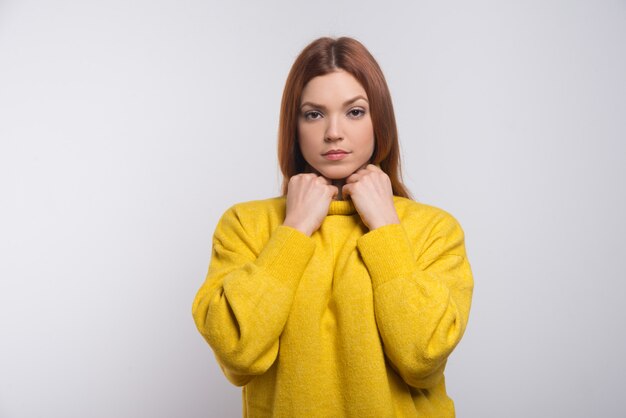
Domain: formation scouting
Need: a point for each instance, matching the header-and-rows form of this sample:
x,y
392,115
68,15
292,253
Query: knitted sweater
x,y
345,323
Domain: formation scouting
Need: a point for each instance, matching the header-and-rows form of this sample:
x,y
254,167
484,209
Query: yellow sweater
x,y
345,323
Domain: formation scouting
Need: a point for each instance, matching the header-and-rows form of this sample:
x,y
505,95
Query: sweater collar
x,y
341,207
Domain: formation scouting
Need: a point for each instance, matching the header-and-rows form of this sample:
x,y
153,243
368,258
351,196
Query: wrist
x,y
297,226
384,222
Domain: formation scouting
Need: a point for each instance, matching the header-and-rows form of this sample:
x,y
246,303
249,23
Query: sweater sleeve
x,y
421,298
243,305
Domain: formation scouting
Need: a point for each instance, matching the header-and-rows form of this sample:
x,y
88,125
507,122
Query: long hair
x,y
323,56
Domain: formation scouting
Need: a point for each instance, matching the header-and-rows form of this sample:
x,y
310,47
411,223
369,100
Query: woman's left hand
x,y
371,192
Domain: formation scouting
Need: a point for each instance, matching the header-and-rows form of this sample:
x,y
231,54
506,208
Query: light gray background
x,y
127,128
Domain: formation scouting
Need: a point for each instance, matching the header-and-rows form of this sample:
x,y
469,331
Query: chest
x,y
336,275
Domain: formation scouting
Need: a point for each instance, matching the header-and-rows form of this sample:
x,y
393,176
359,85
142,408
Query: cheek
x,y
306,138
365,136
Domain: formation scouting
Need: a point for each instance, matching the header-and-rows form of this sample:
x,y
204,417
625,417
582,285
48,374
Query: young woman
x,y
343,297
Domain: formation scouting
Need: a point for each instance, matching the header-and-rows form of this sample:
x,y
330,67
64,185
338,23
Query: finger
x,y
352,178
326,180
335,191
346,190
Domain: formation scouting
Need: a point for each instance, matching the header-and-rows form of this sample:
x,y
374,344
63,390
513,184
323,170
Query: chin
x,y
337,173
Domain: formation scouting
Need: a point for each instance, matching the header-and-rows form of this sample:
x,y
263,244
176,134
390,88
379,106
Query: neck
x,y
339,184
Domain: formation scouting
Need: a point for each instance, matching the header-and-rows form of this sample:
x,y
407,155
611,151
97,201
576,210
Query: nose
x,y
333,130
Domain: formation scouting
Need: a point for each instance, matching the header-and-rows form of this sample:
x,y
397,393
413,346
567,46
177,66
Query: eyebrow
x,y
346,103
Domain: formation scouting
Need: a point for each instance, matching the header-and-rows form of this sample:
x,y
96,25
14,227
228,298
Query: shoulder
x,y
258,208
426,219
255,218
411,209
432,230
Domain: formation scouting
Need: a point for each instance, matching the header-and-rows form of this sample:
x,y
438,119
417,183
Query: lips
x,y
336,155
335,151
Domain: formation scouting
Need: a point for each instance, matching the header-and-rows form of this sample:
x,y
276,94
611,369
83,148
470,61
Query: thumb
x,y
334,189
345,191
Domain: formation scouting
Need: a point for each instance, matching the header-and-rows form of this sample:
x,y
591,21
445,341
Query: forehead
x,y
338,85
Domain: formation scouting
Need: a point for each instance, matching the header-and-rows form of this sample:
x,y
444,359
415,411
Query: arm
x,y
243,305
421,301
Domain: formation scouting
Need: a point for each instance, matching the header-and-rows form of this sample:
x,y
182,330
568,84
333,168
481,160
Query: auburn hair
x,y
321,57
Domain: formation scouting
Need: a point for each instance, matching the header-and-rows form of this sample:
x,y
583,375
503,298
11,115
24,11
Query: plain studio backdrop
x,y
128,128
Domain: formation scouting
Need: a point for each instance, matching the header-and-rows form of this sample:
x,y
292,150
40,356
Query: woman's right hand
x,y
308,199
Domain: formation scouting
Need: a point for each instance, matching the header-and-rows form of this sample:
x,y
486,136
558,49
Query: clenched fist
x,y
308,199
372,194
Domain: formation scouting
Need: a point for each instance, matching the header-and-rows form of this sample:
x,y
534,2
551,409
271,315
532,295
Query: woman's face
x,y
335,129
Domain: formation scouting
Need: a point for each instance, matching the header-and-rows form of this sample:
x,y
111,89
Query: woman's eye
x,y
356,113
312,115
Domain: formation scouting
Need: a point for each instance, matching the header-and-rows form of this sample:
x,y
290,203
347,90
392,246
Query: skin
x,y
334,114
